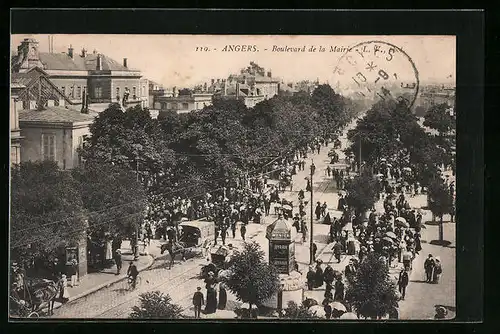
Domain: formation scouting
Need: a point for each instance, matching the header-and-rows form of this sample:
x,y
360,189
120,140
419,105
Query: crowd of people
x,y
394,235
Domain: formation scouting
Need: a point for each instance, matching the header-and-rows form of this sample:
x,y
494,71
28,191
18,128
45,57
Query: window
x,y
134,93
79,92
49,147
185,105
63,90
118,93
71,92
174,105
144,90
98,92
81,141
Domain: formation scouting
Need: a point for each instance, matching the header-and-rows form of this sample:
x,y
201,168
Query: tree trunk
x,y
441,229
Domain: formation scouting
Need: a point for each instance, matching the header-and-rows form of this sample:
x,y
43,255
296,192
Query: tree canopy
x,y
111,195
252,280
362,193
438,118
156,305
372,293
47,211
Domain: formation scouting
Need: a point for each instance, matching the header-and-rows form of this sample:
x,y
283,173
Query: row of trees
x,y
390,130
220,142
52,209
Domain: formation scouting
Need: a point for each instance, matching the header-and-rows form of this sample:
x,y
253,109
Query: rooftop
x,y
56,114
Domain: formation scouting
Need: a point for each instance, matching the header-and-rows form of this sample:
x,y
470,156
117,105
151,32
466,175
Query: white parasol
x,y
349,316
318,311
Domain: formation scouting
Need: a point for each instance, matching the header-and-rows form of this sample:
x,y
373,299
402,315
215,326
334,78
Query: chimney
x,y
269,74
84,53
70,51
124,62
213,80
99,63
95,51
218,80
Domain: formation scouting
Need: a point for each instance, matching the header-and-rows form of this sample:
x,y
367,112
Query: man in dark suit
x,y
198,302
403,282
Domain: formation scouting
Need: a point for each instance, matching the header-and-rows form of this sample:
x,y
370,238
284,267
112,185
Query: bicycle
x,y
129,283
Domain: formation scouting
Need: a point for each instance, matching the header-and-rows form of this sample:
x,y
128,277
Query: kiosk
x,y
281,235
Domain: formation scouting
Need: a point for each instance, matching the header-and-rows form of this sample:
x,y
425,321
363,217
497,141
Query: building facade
x,y
185,103
15,130
105,79
54,133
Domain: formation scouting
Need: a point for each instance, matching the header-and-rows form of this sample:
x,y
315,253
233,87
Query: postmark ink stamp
x,y
377,70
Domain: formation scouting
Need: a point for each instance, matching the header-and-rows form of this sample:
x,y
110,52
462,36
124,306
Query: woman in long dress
x,y
222,297
211,305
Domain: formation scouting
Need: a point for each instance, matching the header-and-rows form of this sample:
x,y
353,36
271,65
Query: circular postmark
x,y
377,70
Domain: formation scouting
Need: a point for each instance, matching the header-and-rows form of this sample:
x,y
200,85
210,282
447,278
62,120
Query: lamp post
x,y
311,254
136,250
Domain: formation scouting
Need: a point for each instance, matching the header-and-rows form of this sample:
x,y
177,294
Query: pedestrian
x,y
441,313
222,297
243,231
328,170
428,266
233,228
304,231
73,272
311,275
118,261
318,210
308,186
403,282
318,277
350,271
329,276
198,302
211,306
438,269
339,290
407,257
64,293
132,273
337,250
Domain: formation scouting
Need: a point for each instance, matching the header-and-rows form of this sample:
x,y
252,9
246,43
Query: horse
x,y
173,250
39,292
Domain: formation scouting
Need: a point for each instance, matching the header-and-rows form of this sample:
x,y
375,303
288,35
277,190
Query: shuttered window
x,y
49,147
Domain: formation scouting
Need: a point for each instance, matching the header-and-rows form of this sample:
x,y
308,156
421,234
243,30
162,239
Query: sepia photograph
x,y
277,177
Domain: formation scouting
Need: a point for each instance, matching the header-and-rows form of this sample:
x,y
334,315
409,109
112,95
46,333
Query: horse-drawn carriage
x,y
28,295
194,236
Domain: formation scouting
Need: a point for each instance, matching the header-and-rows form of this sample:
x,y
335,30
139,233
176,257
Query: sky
x,y
173,60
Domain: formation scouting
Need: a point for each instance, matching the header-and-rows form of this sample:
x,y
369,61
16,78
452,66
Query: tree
x,y
46,213
112,196
252,280
156,305
362,193
438,118
440,201
131,138
372,294
294,311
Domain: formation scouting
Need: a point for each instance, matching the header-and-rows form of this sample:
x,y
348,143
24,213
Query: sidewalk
x,y
93,282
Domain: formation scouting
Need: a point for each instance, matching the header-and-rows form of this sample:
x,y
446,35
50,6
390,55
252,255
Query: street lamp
x,y
311,254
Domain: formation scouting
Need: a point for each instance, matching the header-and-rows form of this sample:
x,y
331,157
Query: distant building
x,y
184,103
105,79
252,85
155,91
